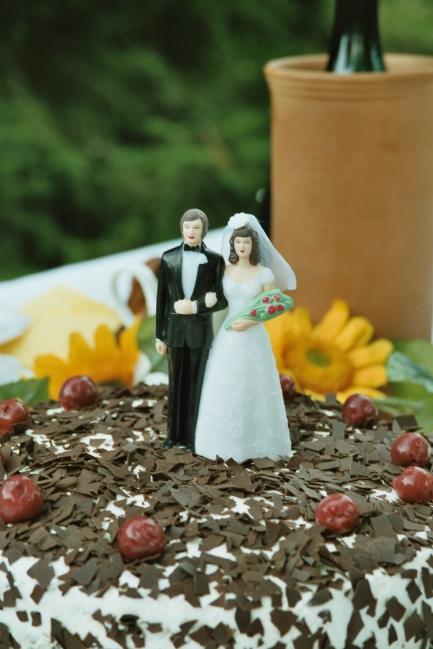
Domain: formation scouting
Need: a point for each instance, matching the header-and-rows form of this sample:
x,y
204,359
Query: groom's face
x,y
192,232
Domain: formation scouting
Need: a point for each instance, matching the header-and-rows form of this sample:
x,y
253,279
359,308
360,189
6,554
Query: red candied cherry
x,y
140,537
253,312
20,499
78,392
265,299
359,409
277,298
414,485
411,448
288,387
271,309
280,307
338,513
12,412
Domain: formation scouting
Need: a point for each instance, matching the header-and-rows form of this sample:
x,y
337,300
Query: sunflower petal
x,y
107,361
376,352
302,325
105,343
333,321
358,331
106,357
373,375
129,349
47,364
316,396
360,389
279,331
53,367
80,355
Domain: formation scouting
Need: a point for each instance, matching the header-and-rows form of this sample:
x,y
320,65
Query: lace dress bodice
x,y
240,295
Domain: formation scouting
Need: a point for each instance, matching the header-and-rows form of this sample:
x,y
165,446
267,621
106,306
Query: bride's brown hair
x,y
245,231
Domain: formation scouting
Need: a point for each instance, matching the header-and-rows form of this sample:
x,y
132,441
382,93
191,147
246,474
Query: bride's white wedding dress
x,y
242,413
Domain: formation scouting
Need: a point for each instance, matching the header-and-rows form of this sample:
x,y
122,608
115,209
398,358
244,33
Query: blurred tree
x,y
115,117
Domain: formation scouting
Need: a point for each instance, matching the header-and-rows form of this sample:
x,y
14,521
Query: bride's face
x,y
243,247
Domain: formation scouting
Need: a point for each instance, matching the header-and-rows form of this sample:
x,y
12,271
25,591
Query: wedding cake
x,y
245,563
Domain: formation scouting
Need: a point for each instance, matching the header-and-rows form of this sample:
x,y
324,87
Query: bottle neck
x,y
355,41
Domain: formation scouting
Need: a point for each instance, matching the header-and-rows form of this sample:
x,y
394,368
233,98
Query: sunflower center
x,y
317,357
318,365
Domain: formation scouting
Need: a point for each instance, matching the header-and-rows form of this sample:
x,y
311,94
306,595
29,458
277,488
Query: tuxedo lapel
x,y
178,272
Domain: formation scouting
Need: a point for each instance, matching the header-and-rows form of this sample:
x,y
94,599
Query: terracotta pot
x,y
352,188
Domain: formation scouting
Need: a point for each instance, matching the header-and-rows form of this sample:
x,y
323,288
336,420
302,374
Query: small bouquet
x,y
267,305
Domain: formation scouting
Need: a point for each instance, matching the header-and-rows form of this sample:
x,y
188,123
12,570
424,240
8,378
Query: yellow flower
x,y
334,356
109,360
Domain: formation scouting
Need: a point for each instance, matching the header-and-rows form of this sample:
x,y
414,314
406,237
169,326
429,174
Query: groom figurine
x,y
189,291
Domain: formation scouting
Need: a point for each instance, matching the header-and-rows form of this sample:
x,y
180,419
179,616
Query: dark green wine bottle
x,y
355,39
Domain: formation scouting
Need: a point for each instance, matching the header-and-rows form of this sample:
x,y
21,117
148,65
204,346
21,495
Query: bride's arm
x,y
245,323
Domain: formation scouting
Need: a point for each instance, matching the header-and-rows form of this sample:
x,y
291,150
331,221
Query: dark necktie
x,y
188,248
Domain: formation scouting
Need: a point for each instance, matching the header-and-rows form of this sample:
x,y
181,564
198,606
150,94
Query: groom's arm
x,y
217,288
161,303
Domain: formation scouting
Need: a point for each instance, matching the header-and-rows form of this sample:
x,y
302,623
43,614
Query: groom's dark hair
x,y
245,231
192,215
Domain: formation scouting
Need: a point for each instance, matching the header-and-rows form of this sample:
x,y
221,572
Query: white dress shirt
x,y
190,263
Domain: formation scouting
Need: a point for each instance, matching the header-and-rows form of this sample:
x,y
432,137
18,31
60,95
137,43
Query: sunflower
x,y
109,360
334,356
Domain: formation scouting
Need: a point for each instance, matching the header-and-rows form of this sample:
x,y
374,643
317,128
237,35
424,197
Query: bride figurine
x,y
242,413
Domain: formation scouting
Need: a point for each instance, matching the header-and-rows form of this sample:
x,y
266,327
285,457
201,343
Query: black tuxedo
x,y
188,337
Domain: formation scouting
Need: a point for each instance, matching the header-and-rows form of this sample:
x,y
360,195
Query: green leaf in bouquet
x,y
146,342
266,306
29,391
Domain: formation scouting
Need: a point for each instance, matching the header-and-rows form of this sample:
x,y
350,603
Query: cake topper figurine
x,y
189,291
242,413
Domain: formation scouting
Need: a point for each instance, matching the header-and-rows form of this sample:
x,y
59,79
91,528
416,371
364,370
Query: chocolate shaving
x,y
413,625
283,620
201,636
395,609
406,422
320,598
392,634
413,591
42,572
87,572
363,596
338,430
37,594
428,617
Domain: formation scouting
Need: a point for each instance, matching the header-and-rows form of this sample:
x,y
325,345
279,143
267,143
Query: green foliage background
x,y
115,117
